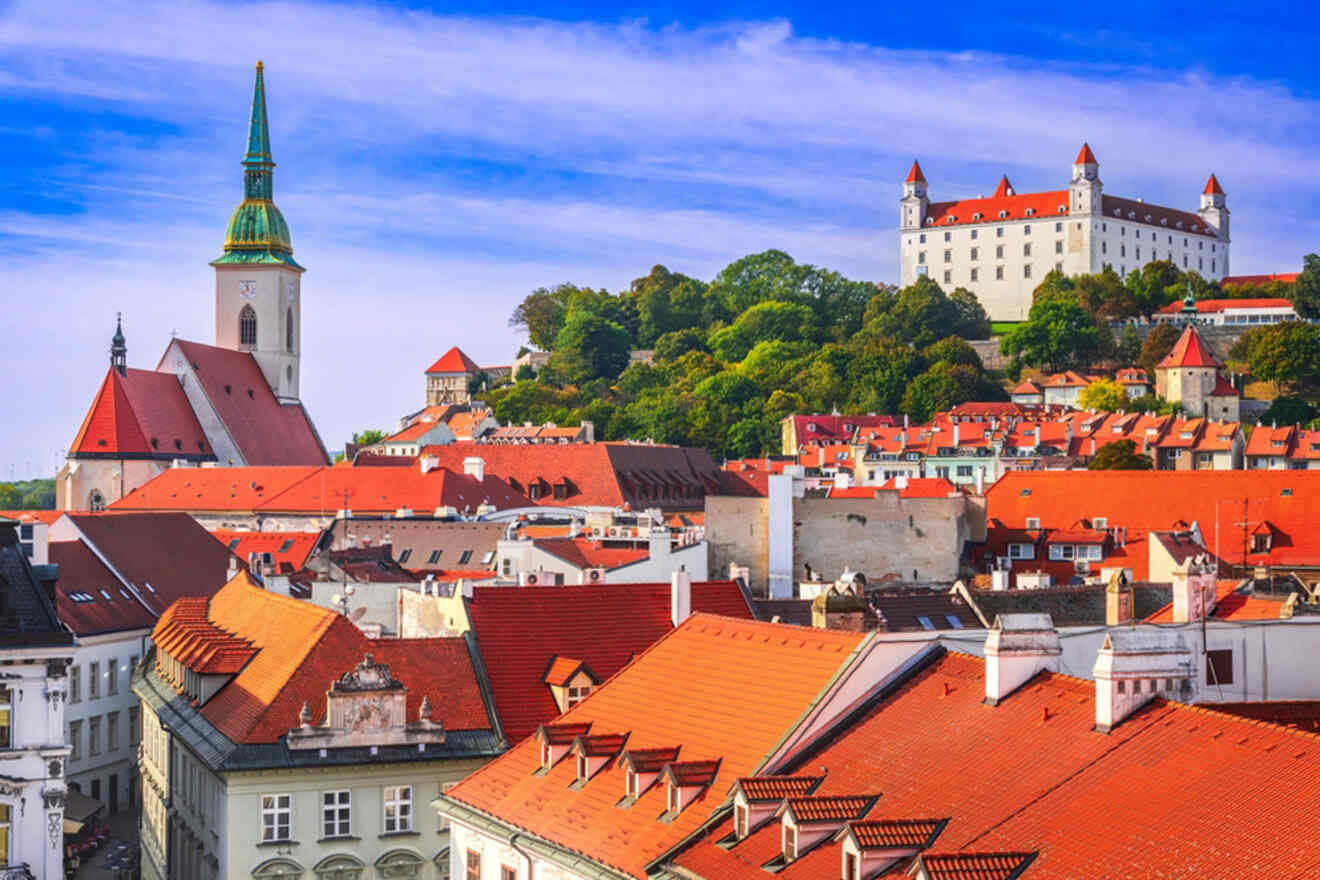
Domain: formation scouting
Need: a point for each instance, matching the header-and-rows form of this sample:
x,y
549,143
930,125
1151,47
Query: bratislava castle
x,y
1002,246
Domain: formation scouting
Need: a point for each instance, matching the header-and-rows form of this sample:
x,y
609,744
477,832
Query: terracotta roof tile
x,y
1085,156
1211,306
831,808
1212,187
896,833
454,361
776,788
589,553
141,413
1190,351
563,669
286,548
600,745
975,865
650,760
915,175
689,773
562,734
1285,277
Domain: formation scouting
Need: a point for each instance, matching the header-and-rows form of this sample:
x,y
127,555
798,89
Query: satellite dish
x,y
356,614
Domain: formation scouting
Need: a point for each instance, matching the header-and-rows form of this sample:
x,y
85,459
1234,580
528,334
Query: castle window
x,y
948,256
999,252
1026,271
999,232
999,273
974,231
922,238
973,276
1058,227
288,330
1026,230
948,277
948,236
1026,249
921,258
247,327
974,253
1058,247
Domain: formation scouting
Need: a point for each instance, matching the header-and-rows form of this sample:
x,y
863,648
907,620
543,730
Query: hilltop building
x,y
232,403
449,379
1001,247
1192,376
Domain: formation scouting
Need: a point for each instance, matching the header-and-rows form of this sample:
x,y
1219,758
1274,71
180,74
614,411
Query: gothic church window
x,y
247,327
288,330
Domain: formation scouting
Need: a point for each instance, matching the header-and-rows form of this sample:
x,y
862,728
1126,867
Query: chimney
x,y
658,543
1194,585
955,434
680,596
1132,667
233,568
1016,648
475,467
980,481
842,480
1119,600
428,463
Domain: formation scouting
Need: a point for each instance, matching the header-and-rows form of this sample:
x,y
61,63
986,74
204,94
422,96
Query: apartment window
x,y
1061,551
465,557
1026,249
1122,250
405,555
276,817
473,865
1219,667
1122,230
973,235
1104,247
6,720
948,236
1138,253
507,873
999,232
112,676
1026,230
75,684
336,813
948,277
974,253
1058,227
1058,247
112,731
398,808
1026,271
922,238
964,470
93,680
132,664
94,735
925,622
286,546
999,252
790,843
134,725
740,820
1184,261
921,258
433,558
999,273
1021,551
75,740
974,276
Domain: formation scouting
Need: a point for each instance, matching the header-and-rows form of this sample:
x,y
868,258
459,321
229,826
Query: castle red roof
x,y
454,361
1212,187
520,630
987,210
289,549
915,175
1190,351
1004,188
1086,157
141,414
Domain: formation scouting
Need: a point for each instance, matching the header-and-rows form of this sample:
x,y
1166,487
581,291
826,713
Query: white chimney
x,y
1133,667
658,543
680,596
1017,647
999,578
475,467
955,433
842,480
901,481
428,463
233,568
1194,585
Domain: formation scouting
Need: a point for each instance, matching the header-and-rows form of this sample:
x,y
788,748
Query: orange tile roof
x,y
915,175
1042,205
41,516
650,760
454,361
1085,156
285,548
563,669
776,788
975,866
1190,351
589,553
831,808
896,833
762,677
1212,187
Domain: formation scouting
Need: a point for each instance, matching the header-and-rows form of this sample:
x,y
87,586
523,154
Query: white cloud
x,y
434,168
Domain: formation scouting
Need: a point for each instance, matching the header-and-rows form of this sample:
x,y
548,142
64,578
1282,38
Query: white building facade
x,y
1001,246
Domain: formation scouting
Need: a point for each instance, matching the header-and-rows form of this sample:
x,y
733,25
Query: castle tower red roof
x,y
454,361
1086,157
1005,188
915,175
1190,351
1212,187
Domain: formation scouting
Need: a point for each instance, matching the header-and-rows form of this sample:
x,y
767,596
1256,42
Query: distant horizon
x,y
435,167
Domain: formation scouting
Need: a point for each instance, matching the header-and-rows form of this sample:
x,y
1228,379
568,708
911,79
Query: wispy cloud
x,y
433,168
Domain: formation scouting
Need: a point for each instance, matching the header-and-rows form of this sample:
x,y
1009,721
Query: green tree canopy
x,y
1159,342
1286,410
369,437
1104,394
1287,352
1058,335
1305,291
765,321
590,347
1120,455
922,314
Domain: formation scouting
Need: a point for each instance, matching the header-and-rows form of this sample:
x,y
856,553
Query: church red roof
x,y
454,361
141,413
1190,351
1086,157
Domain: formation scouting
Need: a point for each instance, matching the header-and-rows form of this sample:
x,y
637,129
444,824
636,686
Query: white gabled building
x,y
1001,246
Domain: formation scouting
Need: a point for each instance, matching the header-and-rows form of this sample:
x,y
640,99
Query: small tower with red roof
x,y
1086,190
912,211
1193,377
1214,211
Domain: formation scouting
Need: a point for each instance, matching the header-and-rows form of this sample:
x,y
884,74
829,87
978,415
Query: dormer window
x,y
740,821
583,769
1031,212
930,221
1063,209
977,216
547,756
790,843
1164,221
1003,214
632,786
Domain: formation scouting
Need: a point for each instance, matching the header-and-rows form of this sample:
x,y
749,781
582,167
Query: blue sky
x,y
437,162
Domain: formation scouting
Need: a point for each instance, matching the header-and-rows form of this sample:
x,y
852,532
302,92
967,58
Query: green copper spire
x,y
257,231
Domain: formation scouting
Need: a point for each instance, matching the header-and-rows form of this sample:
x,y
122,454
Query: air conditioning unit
x,y
529,579
615,532
593,576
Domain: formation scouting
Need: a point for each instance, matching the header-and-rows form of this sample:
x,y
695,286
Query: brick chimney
x,y
1133,667
1016,648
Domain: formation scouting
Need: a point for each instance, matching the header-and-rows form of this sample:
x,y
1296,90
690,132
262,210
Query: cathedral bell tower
x,y
257,281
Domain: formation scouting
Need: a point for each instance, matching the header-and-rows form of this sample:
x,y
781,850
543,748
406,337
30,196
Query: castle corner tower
x,y
257,281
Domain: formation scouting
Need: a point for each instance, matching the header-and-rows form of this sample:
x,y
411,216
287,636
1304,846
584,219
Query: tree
x,y
971,320
1287,352
1058,334
1129,346
1105,395
673,346
1305,293
542,313
1155,285
369,437
922,314
952,350
783,321
11,497
940,388
1159,342
1288,411
525,373
1121,455
590,347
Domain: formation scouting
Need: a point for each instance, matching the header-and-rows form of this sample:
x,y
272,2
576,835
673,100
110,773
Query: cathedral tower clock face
x,y
247,288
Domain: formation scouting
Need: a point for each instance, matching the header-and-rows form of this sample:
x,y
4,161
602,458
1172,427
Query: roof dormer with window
x,y
757,799
594,752
642,768
807,822
570,681
557,741
685,782
871,847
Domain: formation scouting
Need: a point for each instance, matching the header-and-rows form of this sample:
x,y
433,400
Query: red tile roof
x,y
1155,215
1014,206
1190,351
922,487
284,652
454,361
265,431
41,516
814,429
730,691
687,773
650,760
141,413
196,565
831,808
293,556
563,669
1212,187
1146,800
1085,156
588,553
599,745
1285,277
520,630
915,175
975,865
1211,306
776,788
895,833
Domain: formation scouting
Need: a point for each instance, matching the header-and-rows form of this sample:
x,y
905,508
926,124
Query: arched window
x,y
288,330
247,327
96,501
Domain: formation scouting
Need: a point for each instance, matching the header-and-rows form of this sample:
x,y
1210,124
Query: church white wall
x,y
271,291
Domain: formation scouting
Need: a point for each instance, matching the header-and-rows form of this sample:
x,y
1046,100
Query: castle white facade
x,y
1001,246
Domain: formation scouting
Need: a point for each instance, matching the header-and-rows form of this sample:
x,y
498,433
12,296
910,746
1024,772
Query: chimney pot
x,y
680,596
1016,648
